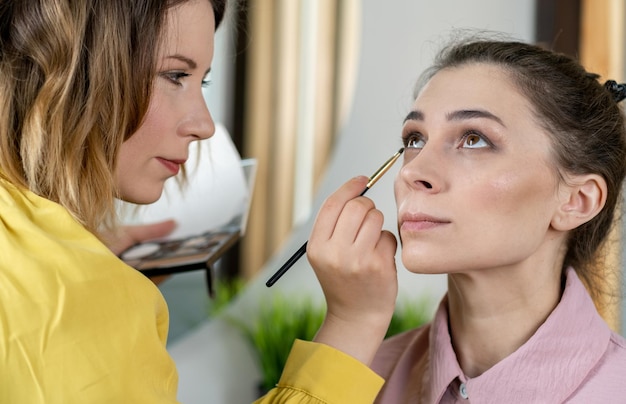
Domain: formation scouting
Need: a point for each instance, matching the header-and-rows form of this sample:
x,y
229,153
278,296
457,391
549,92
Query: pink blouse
x,y
572,358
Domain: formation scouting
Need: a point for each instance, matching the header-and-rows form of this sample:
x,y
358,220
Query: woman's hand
x,y
127,236
354,260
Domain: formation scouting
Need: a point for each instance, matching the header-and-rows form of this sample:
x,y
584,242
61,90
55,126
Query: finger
x,y
331,208
388,244
370,231
351,219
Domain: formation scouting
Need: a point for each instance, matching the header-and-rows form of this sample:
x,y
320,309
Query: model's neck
x,y
493,314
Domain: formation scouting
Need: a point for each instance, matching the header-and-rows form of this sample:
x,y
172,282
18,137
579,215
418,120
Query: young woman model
x,y
513,166
98,100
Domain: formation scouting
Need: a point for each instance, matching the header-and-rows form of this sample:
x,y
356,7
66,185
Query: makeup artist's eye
x,y
473,140
413,141
175,76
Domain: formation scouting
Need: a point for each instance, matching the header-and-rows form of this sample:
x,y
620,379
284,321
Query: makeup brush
x,y
302,250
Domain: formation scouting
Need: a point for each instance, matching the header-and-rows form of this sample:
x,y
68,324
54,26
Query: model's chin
x,y
421,263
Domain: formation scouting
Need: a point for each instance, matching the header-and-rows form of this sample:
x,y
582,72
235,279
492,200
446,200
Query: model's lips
x,y
420,222
173,165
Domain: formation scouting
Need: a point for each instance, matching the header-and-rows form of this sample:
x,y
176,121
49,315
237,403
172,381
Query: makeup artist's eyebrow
x,y
472,114
192,63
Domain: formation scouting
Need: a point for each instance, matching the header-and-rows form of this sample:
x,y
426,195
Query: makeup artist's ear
x,y
582,198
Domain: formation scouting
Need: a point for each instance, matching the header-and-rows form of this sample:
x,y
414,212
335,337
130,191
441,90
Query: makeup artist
x,y
513,167
98,100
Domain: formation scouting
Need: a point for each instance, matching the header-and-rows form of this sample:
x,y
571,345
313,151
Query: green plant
x,y
284,320
225,292
279,324
409,314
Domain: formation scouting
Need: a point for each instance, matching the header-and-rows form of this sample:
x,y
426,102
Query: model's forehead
x,y
470,87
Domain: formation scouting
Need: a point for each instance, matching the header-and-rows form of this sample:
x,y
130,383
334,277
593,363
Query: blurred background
x,y
316,91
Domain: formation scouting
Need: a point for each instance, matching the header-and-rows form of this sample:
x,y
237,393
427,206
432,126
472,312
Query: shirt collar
x,y
568,344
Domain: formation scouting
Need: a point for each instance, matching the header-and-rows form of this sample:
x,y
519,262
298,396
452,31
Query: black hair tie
x,y
618,91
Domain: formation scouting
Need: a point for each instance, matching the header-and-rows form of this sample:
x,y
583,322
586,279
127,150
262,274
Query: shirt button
x,y
463,391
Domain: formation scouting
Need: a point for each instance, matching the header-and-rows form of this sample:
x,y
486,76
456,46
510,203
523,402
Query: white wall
x,y
399,38
219,95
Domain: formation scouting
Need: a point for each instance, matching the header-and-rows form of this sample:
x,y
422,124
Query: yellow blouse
x,y
77,325
316,373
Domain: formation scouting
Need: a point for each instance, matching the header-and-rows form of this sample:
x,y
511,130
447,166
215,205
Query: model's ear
x,y
583,197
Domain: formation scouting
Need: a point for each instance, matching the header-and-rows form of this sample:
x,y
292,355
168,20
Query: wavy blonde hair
x,y
75,83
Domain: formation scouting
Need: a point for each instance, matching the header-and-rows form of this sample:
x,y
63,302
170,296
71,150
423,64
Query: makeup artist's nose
x,y
422,170
198,123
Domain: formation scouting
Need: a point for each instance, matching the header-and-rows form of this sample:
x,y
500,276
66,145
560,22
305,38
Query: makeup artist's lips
x,y
420,222
172,165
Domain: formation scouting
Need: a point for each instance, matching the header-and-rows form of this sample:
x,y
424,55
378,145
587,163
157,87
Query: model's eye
x,y
413,141
472,140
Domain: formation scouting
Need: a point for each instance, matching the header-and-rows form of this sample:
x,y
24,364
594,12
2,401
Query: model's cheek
x,y
397,193
513,192
503,188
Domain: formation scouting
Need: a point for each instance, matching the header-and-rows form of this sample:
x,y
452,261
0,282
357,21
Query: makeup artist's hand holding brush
x,y
354,260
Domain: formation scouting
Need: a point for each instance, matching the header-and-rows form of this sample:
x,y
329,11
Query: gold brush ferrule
x,y
384,168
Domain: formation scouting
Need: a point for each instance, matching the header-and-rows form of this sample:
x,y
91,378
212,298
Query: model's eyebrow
x,y
414,115
460,115
464,114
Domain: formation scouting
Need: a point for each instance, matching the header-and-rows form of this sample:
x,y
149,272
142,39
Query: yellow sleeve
x,y
317,373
